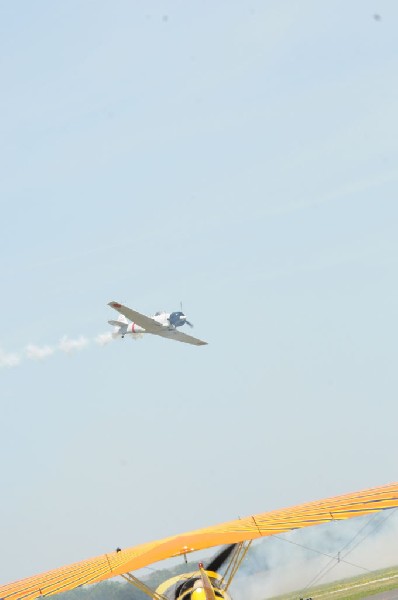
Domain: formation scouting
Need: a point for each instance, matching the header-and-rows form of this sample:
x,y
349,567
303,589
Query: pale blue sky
x,y
241,157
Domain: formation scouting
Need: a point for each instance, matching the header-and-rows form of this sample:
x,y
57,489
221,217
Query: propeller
x,y
217,562
179,318
183,316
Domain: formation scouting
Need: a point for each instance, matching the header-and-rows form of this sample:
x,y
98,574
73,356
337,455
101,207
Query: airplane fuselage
x,y
167,320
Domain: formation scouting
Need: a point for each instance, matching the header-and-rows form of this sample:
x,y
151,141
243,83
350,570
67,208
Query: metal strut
x,y
143,587
235,562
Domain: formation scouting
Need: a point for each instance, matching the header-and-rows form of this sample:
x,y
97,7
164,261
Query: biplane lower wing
x,y
265,524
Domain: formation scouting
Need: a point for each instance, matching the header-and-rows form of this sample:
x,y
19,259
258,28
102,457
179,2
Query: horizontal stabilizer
x,y
117,324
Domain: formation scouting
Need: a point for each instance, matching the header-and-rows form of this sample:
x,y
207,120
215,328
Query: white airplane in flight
x,y
162,323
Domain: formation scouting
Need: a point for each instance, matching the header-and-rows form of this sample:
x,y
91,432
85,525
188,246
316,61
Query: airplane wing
x,y
179,336
116,563
150,325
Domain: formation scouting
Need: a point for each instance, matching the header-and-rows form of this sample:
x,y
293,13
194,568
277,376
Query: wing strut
x,y
235,562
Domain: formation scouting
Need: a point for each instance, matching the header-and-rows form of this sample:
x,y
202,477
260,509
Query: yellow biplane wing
x,y
115,563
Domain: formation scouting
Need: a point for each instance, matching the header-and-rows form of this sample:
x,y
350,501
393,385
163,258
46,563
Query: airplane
x,y
162,323
206,583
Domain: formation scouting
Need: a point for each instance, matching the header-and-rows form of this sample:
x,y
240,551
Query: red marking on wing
x,y
116,305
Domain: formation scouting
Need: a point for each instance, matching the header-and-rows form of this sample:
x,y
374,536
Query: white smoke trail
x,y
68,345
103,339
9,359
38,352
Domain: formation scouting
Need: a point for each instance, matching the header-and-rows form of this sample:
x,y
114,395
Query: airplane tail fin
x,y
119,326
120,329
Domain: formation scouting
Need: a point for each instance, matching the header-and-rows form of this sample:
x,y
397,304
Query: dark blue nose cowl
x,y
176,319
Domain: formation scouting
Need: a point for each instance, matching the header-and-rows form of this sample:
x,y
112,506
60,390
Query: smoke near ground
x,y
305,558
66,345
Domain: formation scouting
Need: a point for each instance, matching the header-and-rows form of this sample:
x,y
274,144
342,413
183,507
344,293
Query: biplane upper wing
x,y
115,563
147,323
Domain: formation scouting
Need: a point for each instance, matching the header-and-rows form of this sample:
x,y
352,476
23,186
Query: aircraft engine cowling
x,y
133,328
177,319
